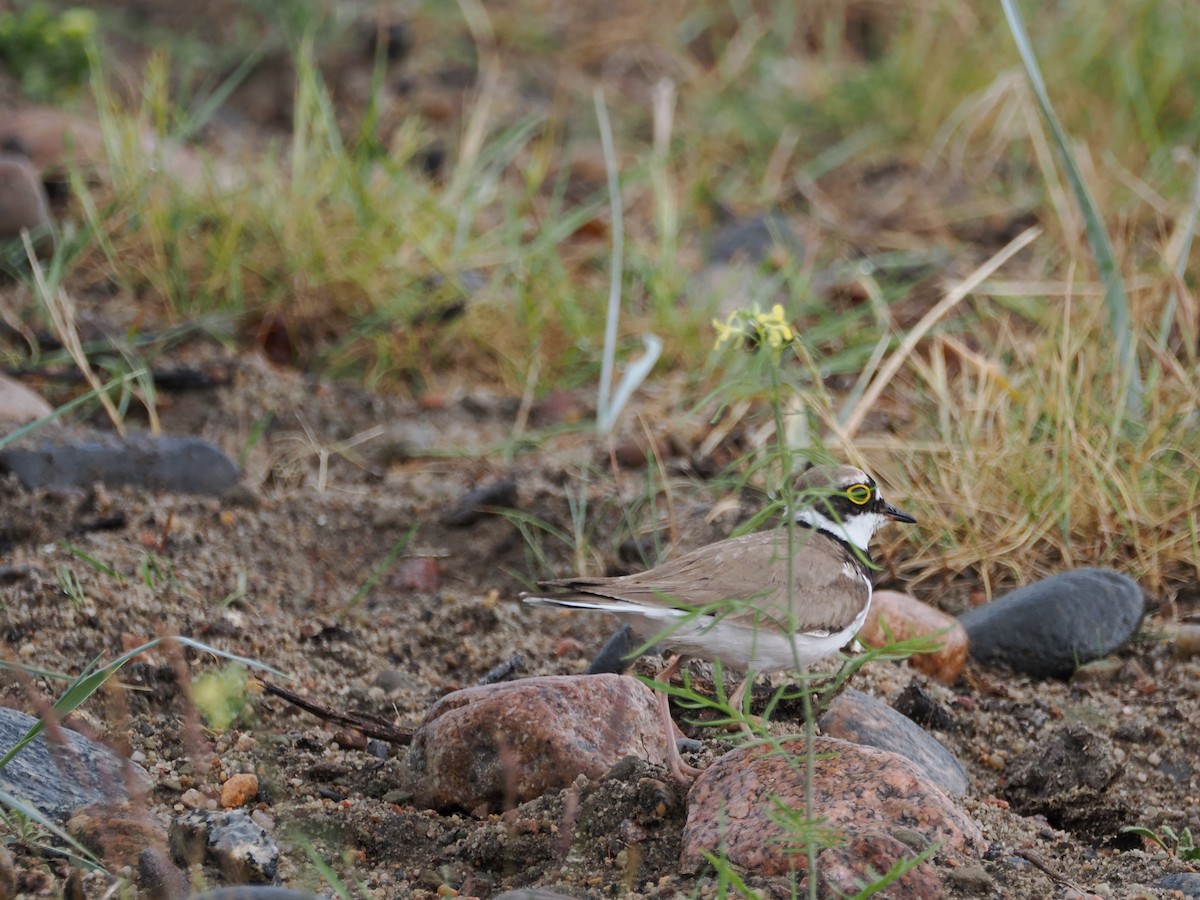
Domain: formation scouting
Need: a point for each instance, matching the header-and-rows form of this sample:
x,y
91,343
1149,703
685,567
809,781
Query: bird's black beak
x,y
897,515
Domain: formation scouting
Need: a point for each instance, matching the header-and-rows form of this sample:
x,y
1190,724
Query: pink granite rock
x,y
908,617
880,803
494,746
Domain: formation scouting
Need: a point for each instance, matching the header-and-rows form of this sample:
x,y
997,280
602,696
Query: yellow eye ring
x,y
859,494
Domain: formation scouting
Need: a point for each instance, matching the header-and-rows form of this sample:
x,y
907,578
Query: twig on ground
x,y
370,725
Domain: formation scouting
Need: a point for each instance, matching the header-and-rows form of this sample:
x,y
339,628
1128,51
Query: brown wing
x,y
748,575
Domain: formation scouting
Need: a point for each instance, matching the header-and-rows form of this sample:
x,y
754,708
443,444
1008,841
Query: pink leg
x,y
680,771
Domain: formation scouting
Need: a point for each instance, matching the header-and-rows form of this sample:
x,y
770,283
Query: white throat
x,y
857,530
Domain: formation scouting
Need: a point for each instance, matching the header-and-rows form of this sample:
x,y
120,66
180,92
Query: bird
x,y
769,601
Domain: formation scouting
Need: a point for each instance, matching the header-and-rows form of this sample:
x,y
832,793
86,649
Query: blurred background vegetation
x,y
403,194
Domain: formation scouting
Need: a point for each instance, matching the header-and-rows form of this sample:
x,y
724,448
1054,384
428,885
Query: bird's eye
x,y
859,494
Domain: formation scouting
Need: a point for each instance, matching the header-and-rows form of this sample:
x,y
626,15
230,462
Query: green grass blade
x,y
81,856
1115,298
91,681
18,433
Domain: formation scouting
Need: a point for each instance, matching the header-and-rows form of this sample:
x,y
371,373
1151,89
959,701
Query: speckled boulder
x,y
58,773
873,797
497,745
1050,627
862,719
907,617
229,839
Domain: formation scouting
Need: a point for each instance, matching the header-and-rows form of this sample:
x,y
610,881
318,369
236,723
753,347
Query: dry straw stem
x,y
62,316
1031,470
952,299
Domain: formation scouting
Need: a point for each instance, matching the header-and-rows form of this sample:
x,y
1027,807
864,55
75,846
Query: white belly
x,y
739,646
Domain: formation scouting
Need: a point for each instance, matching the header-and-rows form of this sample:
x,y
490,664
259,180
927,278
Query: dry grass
x,y
903,137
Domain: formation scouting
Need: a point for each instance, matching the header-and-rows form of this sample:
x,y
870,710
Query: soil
x,y
359,635
313,568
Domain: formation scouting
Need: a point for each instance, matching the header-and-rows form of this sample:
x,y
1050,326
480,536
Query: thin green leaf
x,y
81,857
1097,235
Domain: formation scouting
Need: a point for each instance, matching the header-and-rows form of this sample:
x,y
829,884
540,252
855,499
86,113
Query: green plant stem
x,y
1097,235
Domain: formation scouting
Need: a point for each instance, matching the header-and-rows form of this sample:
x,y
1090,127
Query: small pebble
x,y
1187,641
193,799
239,790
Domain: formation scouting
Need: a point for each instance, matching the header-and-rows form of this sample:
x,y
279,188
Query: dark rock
x,y
184,465
1065,777
1046,629
231,840
1187,883
616,654
860,718
497,745
59,780
482,501
753,239
880,802
916,703
532,894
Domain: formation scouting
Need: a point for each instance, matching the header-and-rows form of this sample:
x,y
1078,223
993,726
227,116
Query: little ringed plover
x,y
771,601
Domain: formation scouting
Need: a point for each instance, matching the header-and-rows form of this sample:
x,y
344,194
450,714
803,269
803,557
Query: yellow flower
x,y
755,328
729,330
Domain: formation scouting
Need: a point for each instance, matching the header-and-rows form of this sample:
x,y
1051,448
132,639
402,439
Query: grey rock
x,y
179,464
23,202
1049,628
972,880
617,653
862,719
1187,883
532,894
752,239
59,779
231,840
392,680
